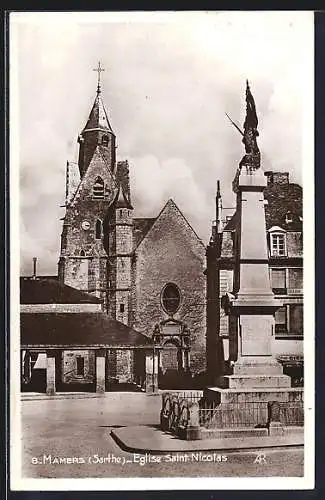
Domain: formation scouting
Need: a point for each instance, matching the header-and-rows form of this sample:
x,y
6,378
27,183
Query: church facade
x,y
147,272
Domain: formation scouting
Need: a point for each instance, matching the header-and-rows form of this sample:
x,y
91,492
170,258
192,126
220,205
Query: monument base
x,y
219,395
272,431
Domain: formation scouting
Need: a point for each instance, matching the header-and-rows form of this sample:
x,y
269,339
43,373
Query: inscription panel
x,y
256,335
171,329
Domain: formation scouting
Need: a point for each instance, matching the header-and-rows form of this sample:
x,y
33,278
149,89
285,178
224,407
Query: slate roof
x,y
98,117
51,291
141,227
78,329
282,199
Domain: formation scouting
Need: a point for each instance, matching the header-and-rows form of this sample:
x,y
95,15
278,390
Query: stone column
x,y
152,372
187,360
257,375
274,425
100,371
25,373
50,373
254,304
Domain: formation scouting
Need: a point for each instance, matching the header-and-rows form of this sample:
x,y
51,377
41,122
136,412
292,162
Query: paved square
x,y
64,438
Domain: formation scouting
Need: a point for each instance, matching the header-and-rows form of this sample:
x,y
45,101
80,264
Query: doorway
x,y
171,370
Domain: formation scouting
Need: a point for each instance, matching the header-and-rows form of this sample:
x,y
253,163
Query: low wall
x,y
190,416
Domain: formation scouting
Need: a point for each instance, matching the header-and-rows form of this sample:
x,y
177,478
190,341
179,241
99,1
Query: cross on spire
x,y
99,69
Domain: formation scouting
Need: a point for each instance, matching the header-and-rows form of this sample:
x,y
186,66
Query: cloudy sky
x,y
169,79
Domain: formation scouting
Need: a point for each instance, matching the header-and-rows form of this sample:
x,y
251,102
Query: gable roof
x,y
231,225
171,204
98,156
281,200
140,228
78,329
51,291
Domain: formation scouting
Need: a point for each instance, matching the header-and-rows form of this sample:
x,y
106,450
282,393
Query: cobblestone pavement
x,y
77,433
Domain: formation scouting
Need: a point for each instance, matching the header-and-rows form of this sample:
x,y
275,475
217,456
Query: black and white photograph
x,y
162,269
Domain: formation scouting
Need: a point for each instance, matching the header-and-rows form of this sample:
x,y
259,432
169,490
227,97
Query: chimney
x,y
281,177
277,178
34,267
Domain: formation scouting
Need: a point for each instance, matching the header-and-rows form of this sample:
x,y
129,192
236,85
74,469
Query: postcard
x,y
161,169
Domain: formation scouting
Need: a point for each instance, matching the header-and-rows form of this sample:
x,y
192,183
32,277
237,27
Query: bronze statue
x,y
252,158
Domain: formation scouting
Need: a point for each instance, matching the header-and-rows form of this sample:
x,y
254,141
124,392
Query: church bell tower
x,y
91,188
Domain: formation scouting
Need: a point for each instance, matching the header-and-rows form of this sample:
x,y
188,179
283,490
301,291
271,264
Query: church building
x,y
147,272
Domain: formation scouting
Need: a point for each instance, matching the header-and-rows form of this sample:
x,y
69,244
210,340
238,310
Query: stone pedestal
x,y
255,305
50,373
192,431
100,371
257,376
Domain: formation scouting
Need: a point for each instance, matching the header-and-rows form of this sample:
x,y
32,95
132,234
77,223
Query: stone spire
x,y
97,133
98,118
121,199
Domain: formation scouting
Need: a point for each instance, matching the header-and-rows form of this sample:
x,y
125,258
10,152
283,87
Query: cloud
x,y
168,81
154,182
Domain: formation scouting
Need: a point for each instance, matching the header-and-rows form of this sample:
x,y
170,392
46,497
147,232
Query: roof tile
x,y
78,329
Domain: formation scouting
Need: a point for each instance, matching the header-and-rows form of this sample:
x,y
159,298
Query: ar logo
x,y
260,459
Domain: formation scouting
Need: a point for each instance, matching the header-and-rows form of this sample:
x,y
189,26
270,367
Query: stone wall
x,y
111,365
69,367
83,258
171,253
120,250
88,147
119,366
227,244
124,365
294,243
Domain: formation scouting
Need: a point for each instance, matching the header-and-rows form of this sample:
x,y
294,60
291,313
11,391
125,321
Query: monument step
x,y
256,368
222,395
255,381
233,433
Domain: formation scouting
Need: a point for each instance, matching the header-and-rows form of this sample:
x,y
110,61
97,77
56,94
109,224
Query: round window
x,y
171,298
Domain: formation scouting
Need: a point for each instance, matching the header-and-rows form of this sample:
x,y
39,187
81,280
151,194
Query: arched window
x,y
82,253
98,189
171,298
105,140
98,230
